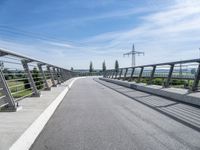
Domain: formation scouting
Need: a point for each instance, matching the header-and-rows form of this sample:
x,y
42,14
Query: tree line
x,y
104,68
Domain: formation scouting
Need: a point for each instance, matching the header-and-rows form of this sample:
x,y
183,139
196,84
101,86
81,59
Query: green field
x,y
17,86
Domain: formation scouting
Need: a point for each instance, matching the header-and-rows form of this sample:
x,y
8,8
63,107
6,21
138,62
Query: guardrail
x,y
22,76
187,72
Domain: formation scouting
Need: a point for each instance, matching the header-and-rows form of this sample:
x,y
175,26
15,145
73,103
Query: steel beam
x,y
140,75
196,80
120,75
9,100
59,76
55,75
36,92
116,74
51,75
152,75
113,72
169,76
125,74
44,77
132,73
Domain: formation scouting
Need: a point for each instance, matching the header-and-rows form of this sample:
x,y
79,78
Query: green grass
x,y
21,94
19,87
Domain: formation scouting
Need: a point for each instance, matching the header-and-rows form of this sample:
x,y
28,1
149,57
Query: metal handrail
x,y
11,53
21,79
121,73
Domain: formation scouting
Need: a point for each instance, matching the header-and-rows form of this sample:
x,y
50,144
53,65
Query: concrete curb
x,y
174,94
29,136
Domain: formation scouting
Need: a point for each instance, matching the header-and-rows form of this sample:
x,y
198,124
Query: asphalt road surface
x,y
93,116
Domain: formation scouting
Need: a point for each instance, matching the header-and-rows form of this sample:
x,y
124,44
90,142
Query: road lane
x,y
94,117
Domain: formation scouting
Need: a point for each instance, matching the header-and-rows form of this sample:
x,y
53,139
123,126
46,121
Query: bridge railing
x,y
185,72
22,76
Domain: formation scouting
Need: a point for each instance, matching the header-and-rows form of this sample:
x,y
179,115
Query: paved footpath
x,y
95,117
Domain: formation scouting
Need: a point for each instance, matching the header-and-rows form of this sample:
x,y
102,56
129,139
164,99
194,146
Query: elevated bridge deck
x,y
93,116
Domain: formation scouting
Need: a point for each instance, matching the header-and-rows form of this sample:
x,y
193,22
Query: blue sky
x,y
75,32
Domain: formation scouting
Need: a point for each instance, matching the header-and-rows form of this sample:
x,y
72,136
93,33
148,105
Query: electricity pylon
x,y
133,53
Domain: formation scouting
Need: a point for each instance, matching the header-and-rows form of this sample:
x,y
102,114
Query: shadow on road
x,y
183,113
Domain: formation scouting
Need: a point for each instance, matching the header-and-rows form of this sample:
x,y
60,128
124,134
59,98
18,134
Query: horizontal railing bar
x,y
3,105
163,64
20,98
14,93
1,97
14,86
20,79
15,73
28,58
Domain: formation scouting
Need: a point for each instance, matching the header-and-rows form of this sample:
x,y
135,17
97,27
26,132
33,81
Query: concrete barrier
x,y
182,95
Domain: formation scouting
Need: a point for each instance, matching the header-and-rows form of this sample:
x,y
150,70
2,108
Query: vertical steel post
x,y
55,75
196,80
113,72
169,76
152,75
36,92
44,77
132,73
62,75
67,75
109,76
6,91
59,77
140,75
52,77
116,74
120,75
105,74
125,74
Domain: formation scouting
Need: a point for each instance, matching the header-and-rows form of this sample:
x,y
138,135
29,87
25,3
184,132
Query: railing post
x,y
125,74
52,77
36,92
132,73
113,72
67,74
196,80
140,75
169,76
44,77
152,75
62,75
110,74
6,91
55,75
70,74
120,75
116,73
59,76
106,74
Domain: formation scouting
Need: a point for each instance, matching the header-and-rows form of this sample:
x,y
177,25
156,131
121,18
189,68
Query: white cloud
x,y
169,34
161,34
59,44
